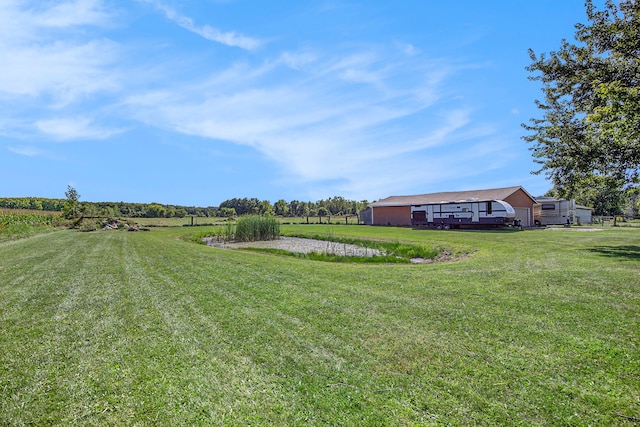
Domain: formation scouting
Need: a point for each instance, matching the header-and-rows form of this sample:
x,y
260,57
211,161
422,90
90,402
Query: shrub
x,y
88,225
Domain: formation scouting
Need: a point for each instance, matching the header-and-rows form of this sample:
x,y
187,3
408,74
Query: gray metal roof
x,y
449,196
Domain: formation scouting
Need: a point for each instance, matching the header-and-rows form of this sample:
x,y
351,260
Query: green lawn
x,y
536,327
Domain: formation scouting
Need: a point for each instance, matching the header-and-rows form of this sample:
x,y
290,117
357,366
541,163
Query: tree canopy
x,y
72,207
591,110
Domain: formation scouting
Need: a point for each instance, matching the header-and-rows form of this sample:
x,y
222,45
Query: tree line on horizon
x,y
233,207
603,202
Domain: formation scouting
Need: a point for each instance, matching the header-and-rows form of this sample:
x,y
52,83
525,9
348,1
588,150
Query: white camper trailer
x,y
550,211
463,214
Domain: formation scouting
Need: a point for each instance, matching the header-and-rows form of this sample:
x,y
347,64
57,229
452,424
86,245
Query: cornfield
x,y
11,218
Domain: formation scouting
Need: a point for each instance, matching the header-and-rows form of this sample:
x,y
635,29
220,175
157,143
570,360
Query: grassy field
x,y
536,327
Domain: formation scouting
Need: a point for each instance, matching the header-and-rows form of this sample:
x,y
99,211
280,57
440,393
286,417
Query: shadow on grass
x,y
628,251
473,230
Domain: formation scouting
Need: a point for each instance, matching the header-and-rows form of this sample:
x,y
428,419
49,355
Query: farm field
x,y
20,223
537,327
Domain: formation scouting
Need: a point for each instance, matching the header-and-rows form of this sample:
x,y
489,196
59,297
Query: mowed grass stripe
x,y
107,343
255,326
60,315
256,287
273,293
219,380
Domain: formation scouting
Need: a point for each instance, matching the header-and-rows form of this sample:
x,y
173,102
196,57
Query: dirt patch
x,y
444,256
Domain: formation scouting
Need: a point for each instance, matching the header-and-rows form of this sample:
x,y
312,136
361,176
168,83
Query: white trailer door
x,y
475,212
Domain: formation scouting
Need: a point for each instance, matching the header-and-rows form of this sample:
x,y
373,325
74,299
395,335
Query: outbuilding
x,y
396,210
552,211
584,215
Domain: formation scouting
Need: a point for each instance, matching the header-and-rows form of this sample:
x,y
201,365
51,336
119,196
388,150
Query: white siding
x,y
523,214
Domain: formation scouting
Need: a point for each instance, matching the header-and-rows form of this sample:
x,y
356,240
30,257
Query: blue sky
x,y
193,102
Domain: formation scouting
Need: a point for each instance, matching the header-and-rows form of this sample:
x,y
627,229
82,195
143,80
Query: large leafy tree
x,y
590,128
281,208
602,194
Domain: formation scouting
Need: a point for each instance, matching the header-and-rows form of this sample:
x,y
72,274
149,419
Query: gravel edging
x,y
305,246
301,245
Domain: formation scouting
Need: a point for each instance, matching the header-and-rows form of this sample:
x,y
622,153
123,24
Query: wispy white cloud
x,y
337,116
25,21
63,71
66,129
408,49
36,62
229,38
71,13
298,61
53,65
28,151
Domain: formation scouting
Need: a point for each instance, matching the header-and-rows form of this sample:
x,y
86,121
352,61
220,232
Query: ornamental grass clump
x,y
252,228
